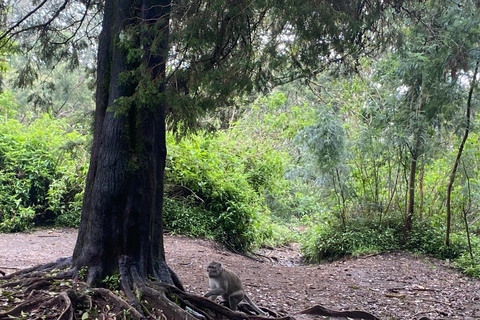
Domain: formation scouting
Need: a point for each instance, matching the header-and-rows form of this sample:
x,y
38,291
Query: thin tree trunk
x,y
411,187
459,155
121,226
415,153
420,187
393,189
465,219
469,240
342,201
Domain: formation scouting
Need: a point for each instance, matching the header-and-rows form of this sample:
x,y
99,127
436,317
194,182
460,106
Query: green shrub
x,y
469,266
429,239
220,201
331,241
361,236
472,271
185,218
42,172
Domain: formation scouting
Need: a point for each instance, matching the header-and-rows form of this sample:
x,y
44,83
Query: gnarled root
x,y
110,299
41,269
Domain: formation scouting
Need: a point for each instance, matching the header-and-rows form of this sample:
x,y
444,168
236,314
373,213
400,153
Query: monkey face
x,y
214,269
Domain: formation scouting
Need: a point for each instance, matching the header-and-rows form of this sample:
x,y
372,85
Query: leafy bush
x,y
470,267
331,241
429,239
183,217
42,171
221,184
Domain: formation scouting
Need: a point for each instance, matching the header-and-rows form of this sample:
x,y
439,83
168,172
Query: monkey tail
x,y
254,306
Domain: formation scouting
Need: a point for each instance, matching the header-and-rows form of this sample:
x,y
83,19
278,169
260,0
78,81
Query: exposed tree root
x,y
60,264
17,311
110,298
65,303
46,292
322,311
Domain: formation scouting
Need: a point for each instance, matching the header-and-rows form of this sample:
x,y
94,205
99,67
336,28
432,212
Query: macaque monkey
x,y
227,284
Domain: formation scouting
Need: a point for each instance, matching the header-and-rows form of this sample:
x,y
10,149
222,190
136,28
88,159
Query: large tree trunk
x,y
121,223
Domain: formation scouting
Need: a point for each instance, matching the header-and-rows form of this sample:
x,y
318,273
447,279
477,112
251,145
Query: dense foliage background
x,y
352,163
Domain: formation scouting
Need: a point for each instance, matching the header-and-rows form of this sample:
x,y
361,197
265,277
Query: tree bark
x,y
121,223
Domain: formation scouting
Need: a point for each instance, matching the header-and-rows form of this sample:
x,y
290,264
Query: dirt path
x,y
391,286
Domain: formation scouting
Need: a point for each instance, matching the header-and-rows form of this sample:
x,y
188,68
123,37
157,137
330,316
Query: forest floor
x,y
391,286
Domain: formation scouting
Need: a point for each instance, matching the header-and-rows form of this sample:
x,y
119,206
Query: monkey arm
x,y
215,292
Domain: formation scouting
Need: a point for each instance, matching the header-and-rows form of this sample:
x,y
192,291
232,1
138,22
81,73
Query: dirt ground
x,y
390,286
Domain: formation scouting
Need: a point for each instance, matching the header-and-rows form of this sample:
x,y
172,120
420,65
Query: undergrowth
x,y
42,171
195,221
216,187
330,241
327,242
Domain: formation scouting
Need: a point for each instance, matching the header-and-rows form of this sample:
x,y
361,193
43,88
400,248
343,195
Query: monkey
x,y
227,284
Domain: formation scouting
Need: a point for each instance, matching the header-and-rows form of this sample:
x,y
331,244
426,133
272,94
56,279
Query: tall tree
x,y
121,220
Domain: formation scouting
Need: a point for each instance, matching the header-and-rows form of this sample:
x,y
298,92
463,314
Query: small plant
x,y
472,271
112,282
82,273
